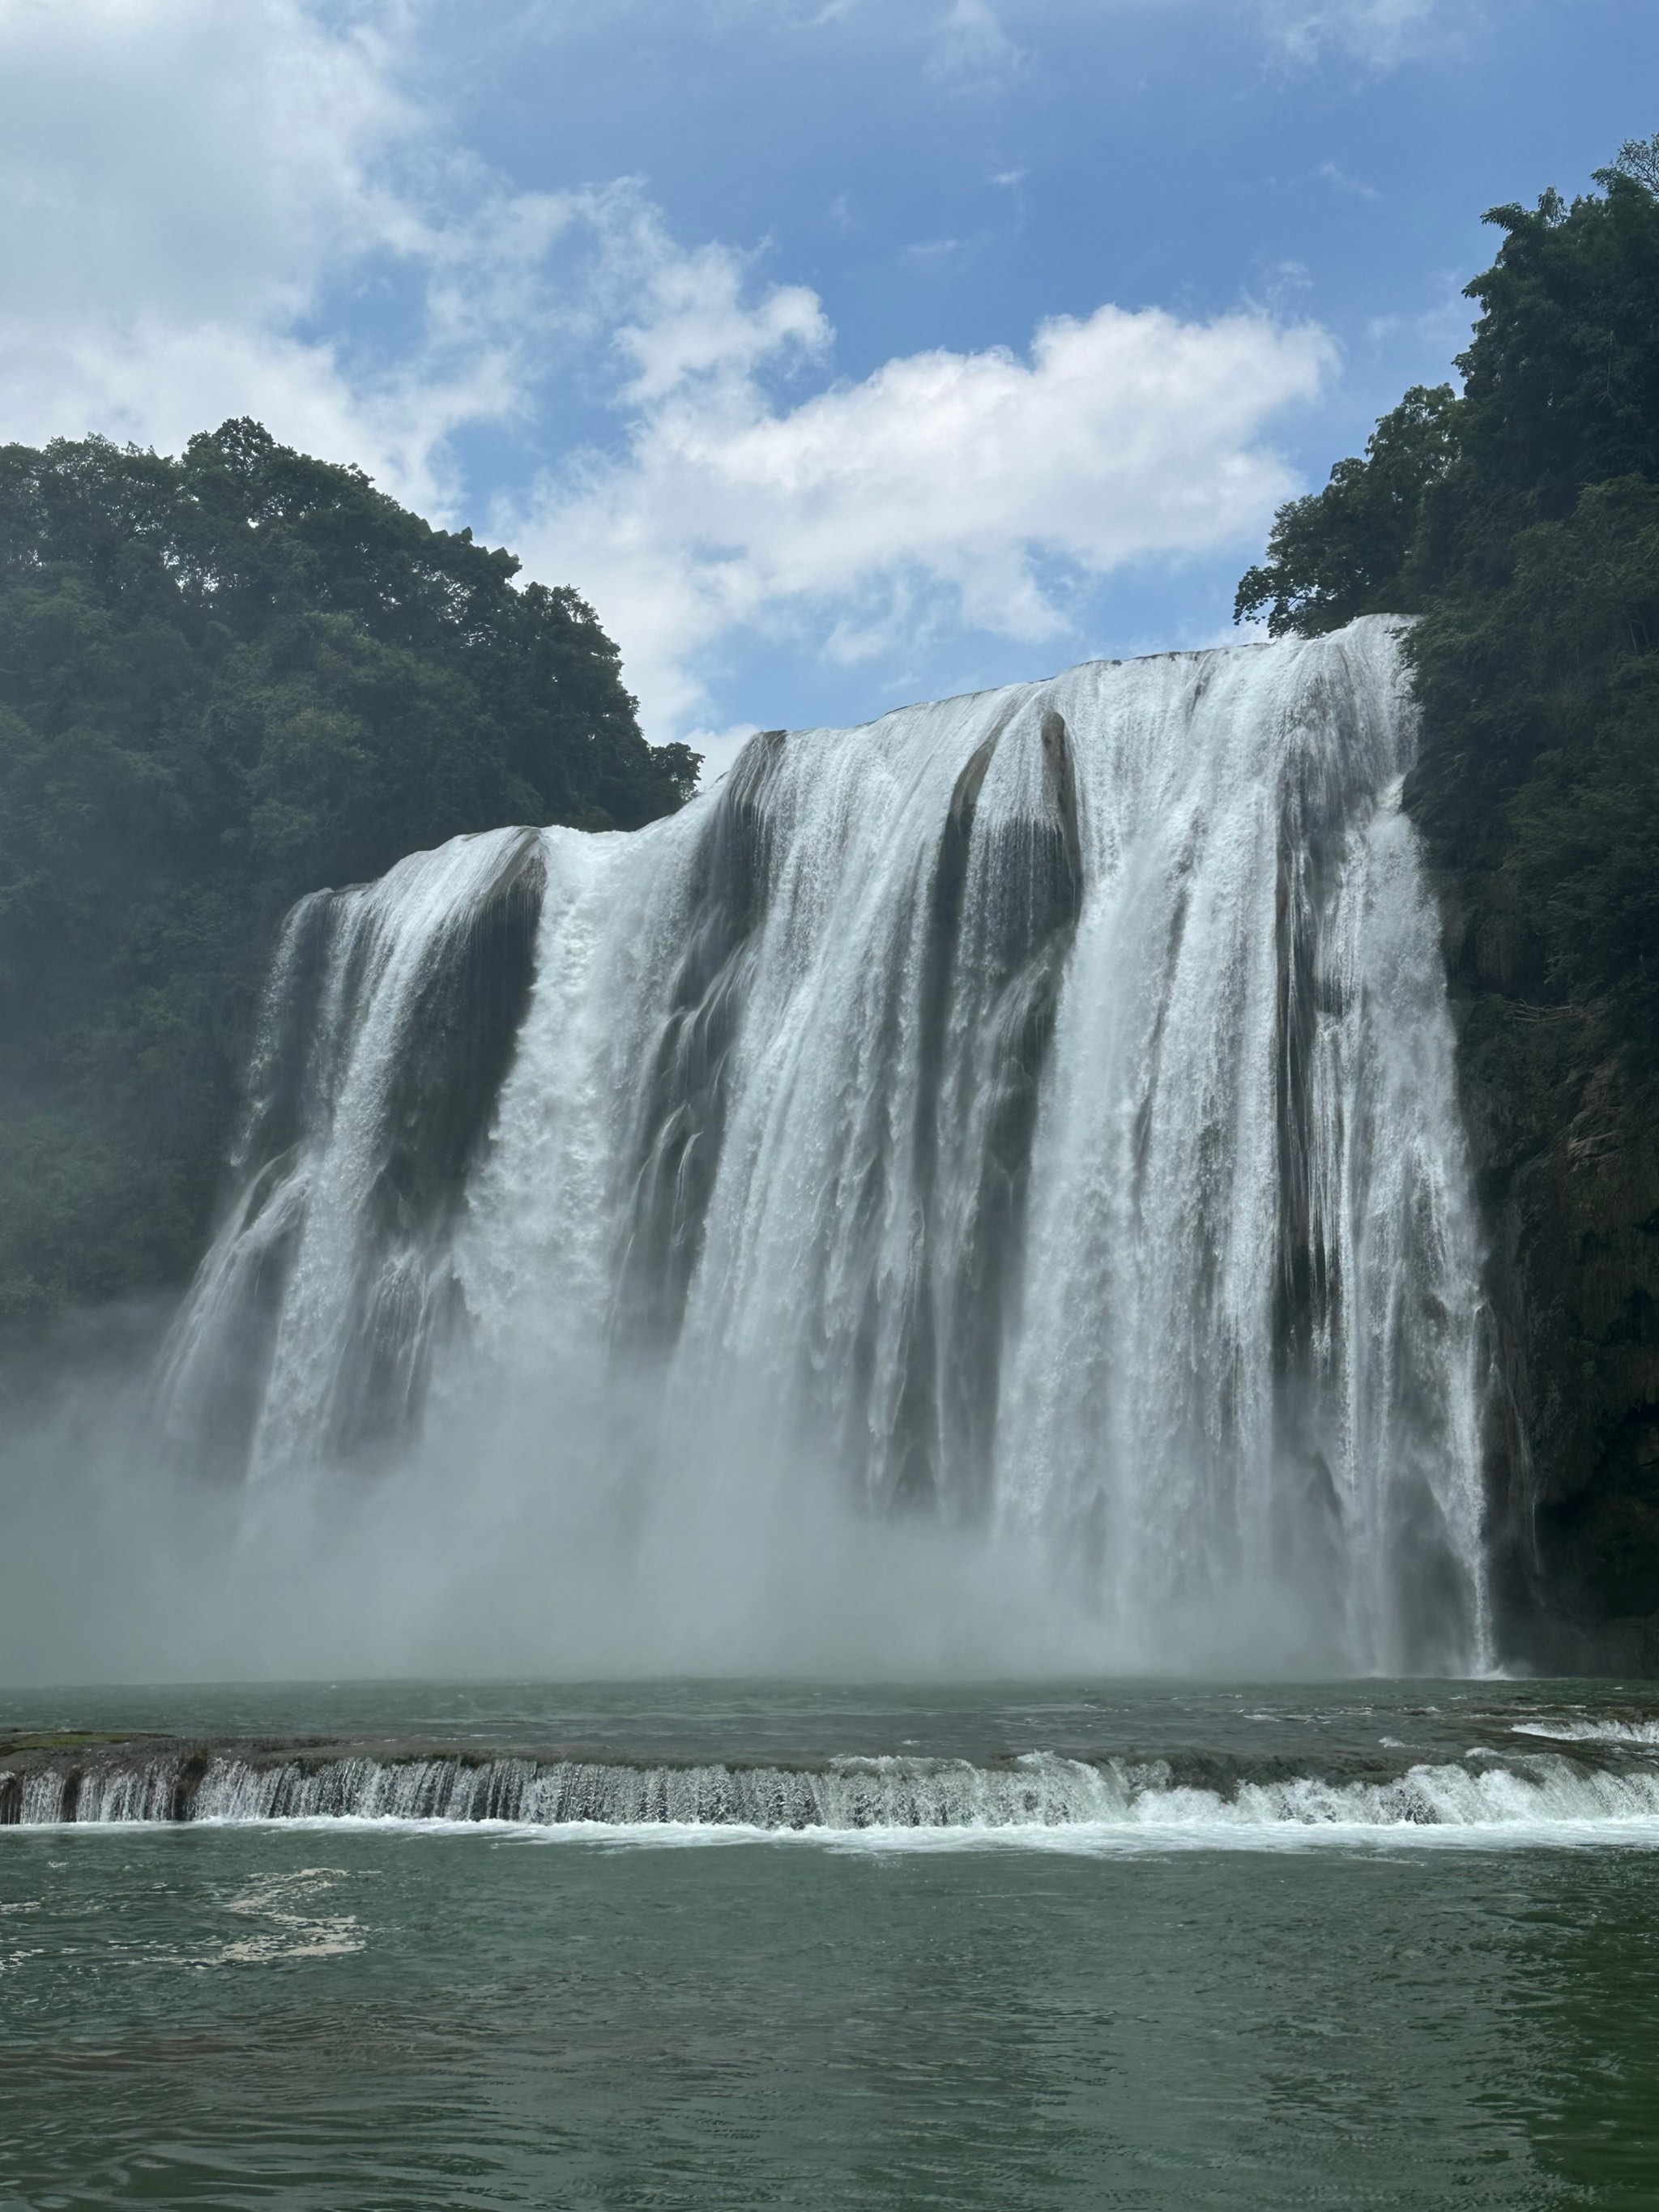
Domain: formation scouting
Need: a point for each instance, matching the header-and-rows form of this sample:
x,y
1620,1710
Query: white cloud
x,y
694,323
975,488
219,210
189,186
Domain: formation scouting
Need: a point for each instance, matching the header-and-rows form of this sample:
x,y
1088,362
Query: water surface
x,y
337,2015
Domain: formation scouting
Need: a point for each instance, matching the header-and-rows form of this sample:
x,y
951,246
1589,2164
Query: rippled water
x,y
361,2018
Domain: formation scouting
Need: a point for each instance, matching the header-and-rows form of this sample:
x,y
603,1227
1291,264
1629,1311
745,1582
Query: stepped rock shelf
x,y
90,1779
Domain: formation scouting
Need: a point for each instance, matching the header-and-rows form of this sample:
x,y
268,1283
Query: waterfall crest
x,y
1033,1112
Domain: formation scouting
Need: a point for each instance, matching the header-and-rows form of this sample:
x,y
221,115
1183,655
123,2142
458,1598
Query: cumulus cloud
x,y
189,186
968,488
224,210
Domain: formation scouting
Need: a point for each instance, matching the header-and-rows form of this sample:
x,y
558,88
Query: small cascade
x,y
1034,1112
1040,1791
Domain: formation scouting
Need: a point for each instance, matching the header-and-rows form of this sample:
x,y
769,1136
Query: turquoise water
x,y
348,2016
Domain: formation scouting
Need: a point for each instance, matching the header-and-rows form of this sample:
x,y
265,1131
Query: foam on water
x,y
1639,1735
1090,1802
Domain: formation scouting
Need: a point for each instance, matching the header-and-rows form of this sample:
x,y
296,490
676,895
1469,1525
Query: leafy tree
x,y
1521,521
1561,382
1639,158
1345,551
226,680
1584,822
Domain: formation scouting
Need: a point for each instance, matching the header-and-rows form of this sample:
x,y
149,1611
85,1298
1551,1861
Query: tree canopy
x,y
1520,520
225,680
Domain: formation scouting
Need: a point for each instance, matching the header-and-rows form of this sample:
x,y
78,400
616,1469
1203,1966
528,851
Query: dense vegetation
x,y
226,680
1519,521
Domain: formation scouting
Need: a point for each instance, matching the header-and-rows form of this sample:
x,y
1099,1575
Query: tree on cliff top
x,y
1521,521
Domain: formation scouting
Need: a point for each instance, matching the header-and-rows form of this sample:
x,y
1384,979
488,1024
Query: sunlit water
x,y
1175,2014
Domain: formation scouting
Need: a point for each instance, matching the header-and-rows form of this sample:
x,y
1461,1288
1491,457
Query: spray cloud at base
x,y
979,1193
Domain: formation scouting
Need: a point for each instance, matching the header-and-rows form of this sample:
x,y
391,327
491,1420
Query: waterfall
x,y
1030,1115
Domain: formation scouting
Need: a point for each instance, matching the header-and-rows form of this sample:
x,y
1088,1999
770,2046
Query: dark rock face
x,y
682,1122
1565,1145
457,1031
463,1030
1009,931
461,1033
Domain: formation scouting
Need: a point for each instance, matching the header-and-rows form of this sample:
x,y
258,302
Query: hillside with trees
x,y
227,680
1518,520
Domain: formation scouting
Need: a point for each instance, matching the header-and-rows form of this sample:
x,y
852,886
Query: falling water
x,y
1031,1115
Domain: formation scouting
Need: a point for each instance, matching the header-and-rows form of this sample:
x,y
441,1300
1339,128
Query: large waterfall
x,y
1028,1119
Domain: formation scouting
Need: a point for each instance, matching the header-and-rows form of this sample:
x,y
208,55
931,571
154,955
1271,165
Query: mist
x,y
531,1538
558,1532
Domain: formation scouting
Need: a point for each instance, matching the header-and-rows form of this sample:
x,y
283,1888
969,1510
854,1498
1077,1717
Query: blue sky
x,y
842,351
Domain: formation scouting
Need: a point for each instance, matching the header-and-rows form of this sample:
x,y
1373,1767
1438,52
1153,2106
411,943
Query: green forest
x,y
1518,521
227,680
